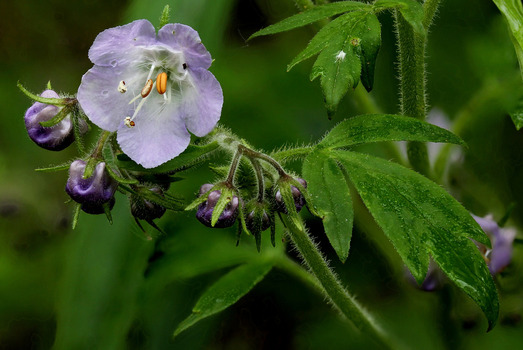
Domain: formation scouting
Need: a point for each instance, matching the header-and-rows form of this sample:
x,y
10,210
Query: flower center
x,y
163,87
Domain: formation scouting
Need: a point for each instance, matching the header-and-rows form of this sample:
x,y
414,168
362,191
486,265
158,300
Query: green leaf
x,y
320,41
421,218
385,127
512,10
310,16
340,61
370,42
331,197
411,10
190,157
226,291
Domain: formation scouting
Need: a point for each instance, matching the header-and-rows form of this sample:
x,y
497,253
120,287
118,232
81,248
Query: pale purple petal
x,y
113,46
502,250
186,39
202,104
502,240
100,99
156,138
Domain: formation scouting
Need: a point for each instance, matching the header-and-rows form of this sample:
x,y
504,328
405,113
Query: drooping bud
x,y
56,137
251,224
299,200
144,209
205,210
94,192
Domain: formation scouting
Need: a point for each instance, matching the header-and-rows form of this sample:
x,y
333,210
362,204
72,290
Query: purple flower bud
x,y
299,200
92,192
249,221
205,210
501,253
146,210
96,208
54,138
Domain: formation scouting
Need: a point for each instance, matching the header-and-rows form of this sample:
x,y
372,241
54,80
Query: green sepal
x,y
227,291
64,113
89,167
310,16
64,166
243,223
272,217
257,220
107,211
421,219
76,214
384,127
108,155
75,118
59,102
331,197
191,156
167,201
411,11
226,196
198,200
165,16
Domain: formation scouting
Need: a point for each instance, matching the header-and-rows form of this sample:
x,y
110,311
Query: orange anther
x,y
161,83
131,123
147,88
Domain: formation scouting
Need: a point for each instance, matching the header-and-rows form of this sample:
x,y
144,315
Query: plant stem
x,y
234,166
253,154
411,56
333,288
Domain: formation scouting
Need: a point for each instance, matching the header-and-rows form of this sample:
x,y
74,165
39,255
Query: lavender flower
x,y
501,253
151,88
54,138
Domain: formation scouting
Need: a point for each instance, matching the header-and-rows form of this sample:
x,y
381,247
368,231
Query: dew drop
x,y
113,63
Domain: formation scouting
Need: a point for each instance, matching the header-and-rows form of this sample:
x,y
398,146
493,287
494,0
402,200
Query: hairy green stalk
x,y
413,99
334,290
413,95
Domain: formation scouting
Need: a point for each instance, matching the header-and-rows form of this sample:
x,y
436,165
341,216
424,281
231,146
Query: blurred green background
x,y
106,286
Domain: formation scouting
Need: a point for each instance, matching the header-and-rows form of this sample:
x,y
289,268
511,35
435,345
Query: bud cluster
x,y
221,204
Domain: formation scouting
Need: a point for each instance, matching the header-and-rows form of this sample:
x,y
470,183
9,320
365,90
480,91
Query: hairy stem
x,y
333,288
411,56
